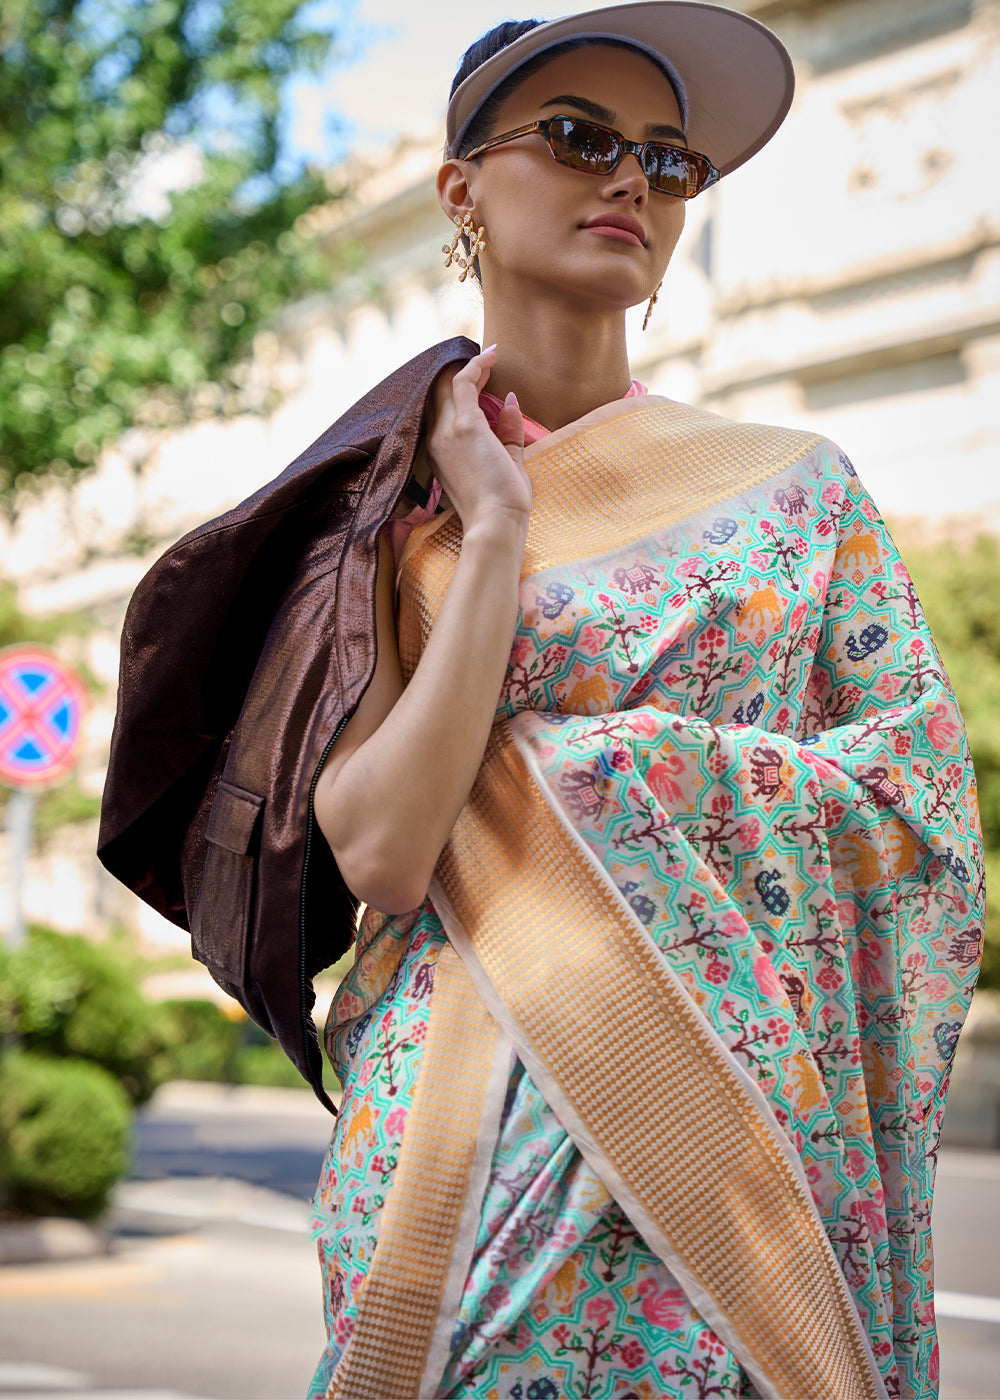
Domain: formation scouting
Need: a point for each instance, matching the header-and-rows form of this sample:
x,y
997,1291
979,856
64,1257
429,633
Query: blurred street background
x,y
212,1288
218,228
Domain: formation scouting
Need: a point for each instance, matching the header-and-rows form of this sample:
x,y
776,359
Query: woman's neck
x,y
561,364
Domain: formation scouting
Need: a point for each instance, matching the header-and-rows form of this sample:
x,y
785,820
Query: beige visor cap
x,y
737,74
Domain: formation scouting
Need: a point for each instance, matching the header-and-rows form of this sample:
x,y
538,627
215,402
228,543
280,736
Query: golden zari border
x,y
648,463
621,474
645,1088
678,1134
412,1275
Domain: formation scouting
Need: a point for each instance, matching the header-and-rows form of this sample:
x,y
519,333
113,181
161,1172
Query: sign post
x,y
20,820
42,705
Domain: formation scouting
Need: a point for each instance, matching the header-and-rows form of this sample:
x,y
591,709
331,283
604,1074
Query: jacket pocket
x,y
220,924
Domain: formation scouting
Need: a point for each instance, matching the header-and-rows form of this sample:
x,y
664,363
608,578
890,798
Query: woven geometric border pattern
x,y
645,1080
651,1087
403,1293
633,473
643,467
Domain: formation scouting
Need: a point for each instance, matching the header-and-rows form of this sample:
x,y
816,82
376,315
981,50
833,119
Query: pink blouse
x,y
398,531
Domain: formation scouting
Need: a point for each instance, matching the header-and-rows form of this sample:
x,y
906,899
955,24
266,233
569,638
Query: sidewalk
x,y
208,1286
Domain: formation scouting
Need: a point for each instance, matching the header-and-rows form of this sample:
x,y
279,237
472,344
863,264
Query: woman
x,y
667,948
635,744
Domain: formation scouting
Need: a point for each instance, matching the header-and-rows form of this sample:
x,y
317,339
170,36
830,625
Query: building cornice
x,y
942,335
750,296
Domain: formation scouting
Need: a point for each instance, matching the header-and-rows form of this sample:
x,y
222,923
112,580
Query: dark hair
x,y
488,44
480,128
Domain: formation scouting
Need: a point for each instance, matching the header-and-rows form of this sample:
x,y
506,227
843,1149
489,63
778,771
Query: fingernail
x,y
487,348
511,399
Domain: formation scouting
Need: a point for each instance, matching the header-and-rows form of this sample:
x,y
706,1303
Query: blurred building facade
x,y
847,280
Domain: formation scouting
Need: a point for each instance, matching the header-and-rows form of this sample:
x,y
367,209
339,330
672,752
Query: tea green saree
x,y
644,1100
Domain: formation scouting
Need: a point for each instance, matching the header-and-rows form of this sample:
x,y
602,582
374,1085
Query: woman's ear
x,y
453,190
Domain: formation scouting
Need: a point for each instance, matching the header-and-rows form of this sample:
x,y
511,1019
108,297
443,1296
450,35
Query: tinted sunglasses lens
x,y
676,172
583,145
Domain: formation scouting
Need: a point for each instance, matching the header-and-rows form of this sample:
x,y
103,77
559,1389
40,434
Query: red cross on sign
x,y
42,704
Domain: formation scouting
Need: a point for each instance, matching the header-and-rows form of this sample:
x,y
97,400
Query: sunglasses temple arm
x,y
499,140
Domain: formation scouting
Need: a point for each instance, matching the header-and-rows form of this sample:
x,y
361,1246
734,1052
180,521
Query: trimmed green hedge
x,y
66,996
88,1045
65,1129
199,1041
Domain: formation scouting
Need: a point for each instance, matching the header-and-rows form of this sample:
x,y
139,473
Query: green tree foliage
x,y
120,304
957,584
17,628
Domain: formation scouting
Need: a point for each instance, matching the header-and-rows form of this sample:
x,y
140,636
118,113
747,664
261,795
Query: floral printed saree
x,y
644,1100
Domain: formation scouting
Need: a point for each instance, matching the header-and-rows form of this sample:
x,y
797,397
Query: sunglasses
x,y
597,150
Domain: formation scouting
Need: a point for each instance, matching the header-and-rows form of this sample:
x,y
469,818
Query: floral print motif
x,y
746,722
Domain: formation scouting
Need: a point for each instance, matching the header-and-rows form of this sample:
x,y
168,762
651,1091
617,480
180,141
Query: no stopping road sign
x,y
42,704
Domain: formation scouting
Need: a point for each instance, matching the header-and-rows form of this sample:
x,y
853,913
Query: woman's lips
x,y
623,235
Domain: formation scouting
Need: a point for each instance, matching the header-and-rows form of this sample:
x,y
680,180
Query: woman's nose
x,y
628,182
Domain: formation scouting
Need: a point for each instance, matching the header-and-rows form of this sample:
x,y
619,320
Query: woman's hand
x,y
481,471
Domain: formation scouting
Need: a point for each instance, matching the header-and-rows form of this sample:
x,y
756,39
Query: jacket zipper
x,y
308,1030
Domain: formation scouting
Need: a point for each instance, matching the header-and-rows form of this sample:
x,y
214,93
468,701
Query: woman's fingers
x,y
471,380
477,370
458,389
510,426
455,407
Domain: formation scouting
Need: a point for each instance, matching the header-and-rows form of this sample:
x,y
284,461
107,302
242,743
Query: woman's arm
x,y
403,767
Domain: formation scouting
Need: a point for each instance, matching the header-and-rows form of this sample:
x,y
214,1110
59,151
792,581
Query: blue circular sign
x,y
42,704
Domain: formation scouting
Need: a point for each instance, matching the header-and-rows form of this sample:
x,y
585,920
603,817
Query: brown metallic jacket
x,y
245,650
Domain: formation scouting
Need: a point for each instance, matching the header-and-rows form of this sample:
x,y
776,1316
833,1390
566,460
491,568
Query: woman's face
x,y
543,220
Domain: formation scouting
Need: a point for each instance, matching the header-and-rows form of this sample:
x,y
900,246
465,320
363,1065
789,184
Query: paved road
x,y
212,1289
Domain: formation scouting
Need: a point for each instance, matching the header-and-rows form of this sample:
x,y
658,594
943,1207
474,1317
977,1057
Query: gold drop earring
x,y
454,252
652,303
